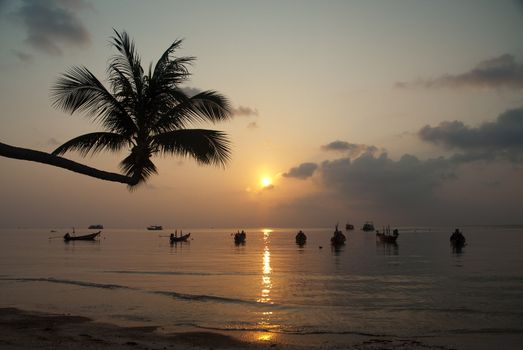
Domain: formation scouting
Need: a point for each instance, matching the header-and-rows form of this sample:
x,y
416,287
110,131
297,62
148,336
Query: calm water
x,y
271,288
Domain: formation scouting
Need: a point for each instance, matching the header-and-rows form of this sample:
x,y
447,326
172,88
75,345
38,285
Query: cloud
x,y
499,72
22,56
302,171
252,125
52,25
245,111
352,149
502,138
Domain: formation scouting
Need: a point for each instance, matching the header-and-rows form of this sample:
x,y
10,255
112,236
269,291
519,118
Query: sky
x,y
401,112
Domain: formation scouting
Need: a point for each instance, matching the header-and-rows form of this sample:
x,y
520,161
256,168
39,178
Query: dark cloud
x,y
502,138
353,149
52,25
302,171
382,180
245,111
499,72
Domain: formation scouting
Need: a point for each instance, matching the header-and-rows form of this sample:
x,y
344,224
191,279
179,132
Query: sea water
x,y
272,289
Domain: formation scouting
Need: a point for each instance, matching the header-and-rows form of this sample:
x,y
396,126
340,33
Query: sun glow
x,y
266,181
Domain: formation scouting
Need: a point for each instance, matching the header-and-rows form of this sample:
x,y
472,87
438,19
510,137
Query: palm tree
x,y
147,114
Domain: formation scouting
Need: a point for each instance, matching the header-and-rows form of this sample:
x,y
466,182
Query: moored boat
x,y
96,227
181,238
368,226
240,237
301,238
88,237
155,228
349,227
338,238
386,235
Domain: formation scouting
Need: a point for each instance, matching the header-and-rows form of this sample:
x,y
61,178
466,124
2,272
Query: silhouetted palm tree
x,y
146,113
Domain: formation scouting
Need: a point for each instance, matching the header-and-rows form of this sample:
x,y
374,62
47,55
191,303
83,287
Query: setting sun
x,y
266,181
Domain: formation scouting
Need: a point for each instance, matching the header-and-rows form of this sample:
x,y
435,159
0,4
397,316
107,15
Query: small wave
x,y
65,281
487,331
212,298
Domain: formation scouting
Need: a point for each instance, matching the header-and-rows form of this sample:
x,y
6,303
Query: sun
x,y
266,181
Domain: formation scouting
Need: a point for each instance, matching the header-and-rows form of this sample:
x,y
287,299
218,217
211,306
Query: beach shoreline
x,y
22,329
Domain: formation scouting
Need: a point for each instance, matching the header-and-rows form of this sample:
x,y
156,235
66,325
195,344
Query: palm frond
x,y
206,106
206,146
93,142
128,62
80,90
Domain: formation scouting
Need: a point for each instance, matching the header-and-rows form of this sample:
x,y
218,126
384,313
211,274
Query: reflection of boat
x,y
96,227
89,237
155,228
368,226
301,238
181,238
338,238
457,240
240,237
386,236
349,227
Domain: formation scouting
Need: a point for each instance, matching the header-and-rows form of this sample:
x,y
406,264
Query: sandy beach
x,y
21,329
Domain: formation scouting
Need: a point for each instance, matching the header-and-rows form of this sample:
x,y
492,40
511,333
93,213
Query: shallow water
x,y
271,288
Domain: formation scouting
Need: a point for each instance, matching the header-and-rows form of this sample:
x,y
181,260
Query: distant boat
x,y
386,236
155,228
301,238
240,237
88,237
338,238
96,227
349,227
368,226
176,239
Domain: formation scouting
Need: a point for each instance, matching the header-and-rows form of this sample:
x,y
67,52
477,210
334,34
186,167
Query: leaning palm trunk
x,y
145,114
51,159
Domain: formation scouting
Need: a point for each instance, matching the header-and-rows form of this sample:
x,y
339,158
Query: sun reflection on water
x,y
265,294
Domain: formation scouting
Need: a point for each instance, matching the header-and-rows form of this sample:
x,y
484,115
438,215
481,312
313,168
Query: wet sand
x,y
20,329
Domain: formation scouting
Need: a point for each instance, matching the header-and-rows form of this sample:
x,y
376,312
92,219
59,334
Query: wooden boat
x,y
240,237
386,236
155,228
338,238
368,226
176,239
89,237
301,238
349,227
457,240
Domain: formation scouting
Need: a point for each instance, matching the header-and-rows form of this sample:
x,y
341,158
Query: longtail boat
x,y
89,237
176,239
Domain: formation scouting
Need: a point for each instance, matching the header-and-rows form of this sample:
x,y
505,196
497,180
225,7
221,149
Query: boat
x,y
368,226
338,238
240,237
457,240
301,238
96,227
386,237
349,227
88,237
181,238
155,228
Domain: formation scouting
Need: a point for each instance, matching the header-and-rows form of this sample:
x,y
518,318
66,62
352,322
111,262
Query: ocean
x,y
271,289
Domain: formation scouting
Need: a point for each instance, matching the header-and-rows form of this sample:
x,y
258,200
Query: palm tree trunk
x,y
50,159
